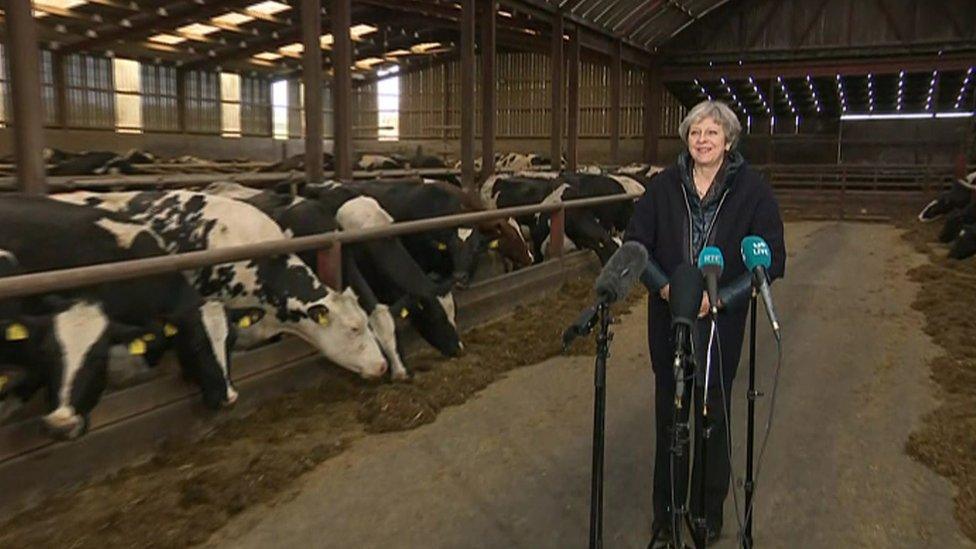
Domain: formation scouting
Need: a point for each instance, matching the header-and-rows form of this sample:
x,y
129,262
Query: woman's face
x,y
706,141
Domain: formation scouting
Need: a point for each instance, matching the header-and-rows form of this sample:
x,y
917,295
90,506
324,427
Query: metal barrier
x,y
64,279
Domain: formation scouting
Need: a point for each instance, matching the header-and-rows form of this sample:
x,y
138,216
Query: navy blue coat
x,y
660,222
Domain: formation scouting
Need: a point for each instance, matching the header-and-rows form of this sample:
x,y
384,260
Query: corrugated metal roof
x,y
647,23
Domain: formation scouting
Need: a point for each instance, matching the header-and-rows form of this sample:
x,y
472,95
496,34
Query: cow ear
x,y
319,314
246,317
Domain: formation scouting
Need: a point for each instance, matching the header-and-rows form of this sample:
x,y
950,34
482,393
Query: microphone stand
x,y
751,425
600,314
704,428
680,436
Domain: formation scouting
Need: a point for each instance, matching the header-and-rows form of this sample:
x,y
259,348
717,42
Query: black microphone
x,y
621,272
758,258
711,263
687,286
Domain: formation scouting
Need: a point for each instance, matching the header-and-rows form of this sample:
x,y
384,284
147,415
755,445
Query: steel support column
x,y
342,89
467,94
652,113
556,81
573,116
488,103
25,85
616,89
312,77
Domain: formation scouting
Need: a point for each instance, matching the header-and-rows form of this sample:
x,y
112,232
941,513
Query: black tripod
x,y
583,326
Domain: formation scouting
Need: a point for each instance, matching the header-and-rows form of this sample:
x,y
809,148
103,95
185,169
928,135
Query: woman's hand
x,y
703,308
665,292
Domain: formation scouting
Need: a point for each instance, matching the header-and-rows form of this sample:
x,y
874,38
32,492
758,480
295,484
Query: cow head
x,y
338,327
958,196
204,338
436,321
67,351
954,223
965,244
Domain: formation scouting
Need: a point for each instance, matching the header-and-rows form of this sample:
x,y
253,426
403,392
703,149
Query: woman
x,y
710,197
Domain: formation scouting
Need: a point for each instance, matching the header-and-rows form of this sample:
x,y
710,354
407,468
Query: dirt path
x,y
511,466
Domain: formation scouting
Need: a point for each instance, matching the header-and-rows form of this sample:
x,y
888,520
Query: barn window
x,y
388,104
279,102
128,101
230,104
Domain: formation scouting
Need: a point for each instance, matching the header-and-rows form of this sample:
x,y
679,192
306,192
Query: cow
x,y
958,196
389,270
94,163
298,216
297,163
372,162
965,244
615,216
293,298
956,220
516,162
77,327
581,226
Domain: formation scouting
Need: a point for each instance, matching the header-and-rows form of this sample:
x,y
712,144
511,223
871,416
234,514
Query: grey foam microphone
x,y
621,272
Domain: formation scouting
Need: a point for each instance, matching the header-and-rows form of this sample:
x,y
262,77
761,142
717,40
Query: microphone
x,y
711,263
621,272
685,300
686,292
758,258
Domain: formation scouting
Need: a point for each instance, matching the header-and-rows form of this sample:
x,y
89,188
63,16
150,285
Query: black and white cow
x,y
582,228
615,216
955,221
293,298
371,162
965,244
298,216
94,163
77,327
959,195
297,163
517,162
387,268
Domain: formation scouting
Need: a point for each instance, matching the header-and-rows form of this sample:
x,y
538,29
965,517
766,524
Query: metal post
x,y
488,103
181,100
616,89
467,95
330,265
557,232
60,90
572,138
652,112
556,69
342,89
25,85
312,76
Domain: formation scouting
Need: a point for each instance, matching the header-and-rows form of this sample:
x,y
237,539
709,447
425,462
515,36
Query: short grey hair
x,y
718,111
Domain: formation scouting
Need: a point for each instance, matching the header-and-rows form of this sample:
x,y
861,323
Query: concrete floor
x,y
511,467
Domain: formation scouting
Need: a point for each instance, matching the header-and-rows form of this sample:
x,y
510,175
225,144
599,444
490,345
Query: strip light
x,y
840,93
962,89
906,116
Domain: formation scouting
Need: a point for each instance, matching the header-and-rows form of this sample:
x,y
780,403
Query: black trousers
x,y
716,468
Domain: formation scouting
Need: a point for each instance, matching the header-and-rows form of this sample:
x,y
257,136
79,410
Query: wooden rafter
x,y
891,20
805,33
770,14
149,25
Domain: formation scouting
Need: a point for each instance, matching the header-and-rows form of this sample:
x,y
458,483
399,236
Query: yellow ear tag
x,y
169,330
493,244
149,337
137,347
3,382
244,322
404,313
441,246
323,320
16,332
